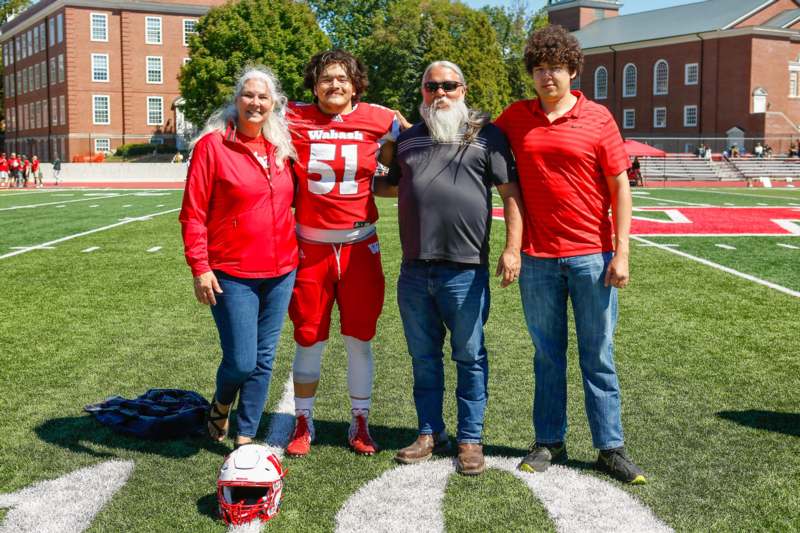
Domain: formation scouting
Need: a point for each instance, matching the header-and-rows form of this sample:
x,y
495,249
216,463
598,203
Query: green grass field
x,y
709,364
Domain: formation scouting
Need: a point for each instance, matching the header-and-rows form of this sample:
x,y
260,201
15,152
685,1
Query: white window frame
x,y
147,38
97,69
61,72
103,140
45,113
655,117
187,34
51,27
36,39
597,93
29,36
656,90
54,111
686,109
42,37
794,72
628,113
686,74
186,60
62,110
95,98
92,27
160,100
37,77
53,76
60,27
148,70
625,92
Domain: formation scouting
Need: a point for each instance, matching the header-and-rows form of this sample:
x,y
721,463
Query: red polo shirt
x,y
562,173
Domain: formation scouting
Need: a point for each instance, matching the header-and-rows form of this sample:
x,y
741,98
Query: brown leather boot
x,y
422,449
470,459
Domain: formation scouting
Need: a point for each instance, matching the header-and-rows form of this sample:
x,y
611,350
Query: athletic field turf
x,y
98,301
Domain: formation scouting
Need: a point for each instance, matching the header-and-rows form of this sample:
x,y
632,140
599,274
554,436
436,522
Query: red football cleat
x,y
358,436
303,435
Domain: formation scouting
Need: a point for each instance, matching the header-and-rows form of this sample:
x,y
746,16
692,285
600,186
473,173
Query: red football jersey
x,y
336,159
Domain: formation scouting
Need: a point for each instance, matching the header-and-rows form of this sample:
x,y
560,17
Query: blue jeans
x,y
249,316
545,285
431,298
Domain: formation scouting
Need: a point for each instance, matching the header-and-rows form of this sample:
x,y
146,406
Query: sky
x,y
628,6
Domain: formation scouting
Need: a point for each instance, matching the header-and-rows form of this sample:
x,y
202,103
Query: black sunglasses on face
x,y
448,86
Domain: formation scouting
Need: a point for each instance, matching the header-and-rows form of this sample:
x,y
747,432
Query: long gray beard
x,y
445,124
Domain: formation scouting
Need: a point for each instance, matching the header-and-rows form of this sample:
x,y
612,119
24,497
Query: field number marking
x,y
67,504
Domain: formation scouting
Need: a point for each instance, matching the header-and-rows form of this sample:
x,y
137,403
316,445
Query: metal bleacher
x,y
679,167
686,167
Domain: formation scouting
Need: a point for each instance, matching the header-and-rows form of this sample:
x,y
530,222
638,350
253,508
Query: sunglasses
x,y
448,86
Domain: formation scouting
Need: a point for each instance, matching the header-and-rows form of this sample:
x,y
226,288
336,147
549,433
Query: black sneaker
x,y
617,464
541,456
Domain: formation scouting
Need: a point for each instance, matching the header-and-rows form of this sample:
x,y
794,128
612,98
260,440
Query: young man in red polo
x,y
572,169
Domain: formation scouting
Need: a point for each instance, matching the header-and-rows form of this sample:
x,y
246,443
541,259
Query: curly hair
x,y
555,46
355,69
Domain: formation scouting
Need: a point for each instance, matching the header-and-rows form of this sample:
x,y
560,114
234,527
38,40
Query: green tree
x,y
417,32
349,22
9,8
281,34
512,25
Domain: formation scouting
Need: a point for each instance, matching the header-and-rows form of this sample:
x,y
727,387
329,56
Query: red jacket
x,y
236,216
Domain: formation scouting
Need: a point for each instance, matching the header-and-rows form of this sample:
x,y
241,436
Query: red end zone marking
x,y
713,221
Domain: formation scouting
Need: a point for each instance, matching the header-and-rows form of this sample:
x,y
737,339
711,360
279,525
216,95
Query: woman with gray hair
x,y
239,239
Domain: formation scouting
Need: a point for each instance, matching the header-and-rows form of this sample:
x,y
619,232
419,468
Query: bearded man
x,y
443,173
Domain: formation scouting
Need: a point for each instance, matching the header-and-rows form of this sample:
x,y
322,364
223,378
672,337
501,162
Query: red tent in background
x,y
635,148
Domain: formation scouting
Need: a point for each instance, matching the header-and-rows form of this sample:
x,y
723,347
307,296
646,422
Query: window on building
x,y
155,110
794,83
43,69
62,110
24,81
60,68
102,145
52,70
42,39
101,113
600,83
187,59
53,111
152,30
29,36
660,117
17,48
760,100
19,83
60,27
37,113
99,24
45,118
692,74
37,77
661,77
36,39
100,67
629,75
599,14
51,30
154,69
628,119
690,116
189,29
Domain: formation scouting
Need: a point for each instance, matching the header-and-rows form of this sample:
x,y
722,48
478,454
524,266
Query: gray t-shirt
x,y
445,193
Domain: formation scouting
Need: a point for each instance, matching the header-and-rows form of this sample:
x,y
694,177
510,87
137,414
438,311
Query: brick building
x,y
719,71
85,76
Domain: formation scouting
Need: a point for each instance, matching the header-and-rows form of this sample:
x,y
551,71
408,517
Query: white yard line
x,y
90,249
675,201
723,268
89,232
789,246
725,246
23,193
765,196
61,202
153,249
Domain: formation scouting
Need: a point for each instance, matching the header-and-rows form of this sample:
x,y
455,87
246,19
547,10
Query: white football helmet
x,y
250,485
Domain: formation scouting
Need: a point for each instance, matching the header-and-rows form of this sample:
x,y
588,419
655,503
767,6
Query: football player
x,y
337,138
